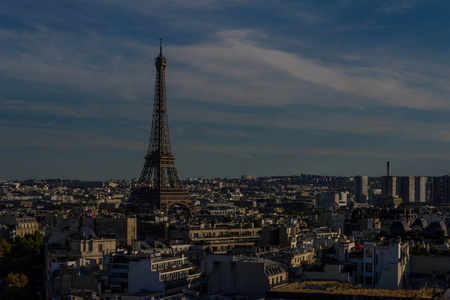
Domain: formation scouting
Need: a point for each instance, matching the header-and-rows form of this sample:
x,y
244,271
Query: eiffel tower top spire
x,y
160,138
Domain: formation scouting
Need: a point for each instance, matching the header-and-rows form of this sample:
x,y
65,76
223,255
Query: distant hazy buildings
x,y
332,200
420,189
441,189
389,186
406,188
373,195
389,197
412,189
361,188
388,182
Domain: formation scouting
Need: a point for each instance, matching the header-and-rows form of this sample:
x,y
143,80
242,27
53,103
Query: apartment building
x,y
169,275
382,265
249,277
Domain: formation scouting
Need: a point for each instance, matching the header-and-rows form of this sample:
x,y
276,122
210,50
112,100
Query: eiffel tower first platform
x,y
160,186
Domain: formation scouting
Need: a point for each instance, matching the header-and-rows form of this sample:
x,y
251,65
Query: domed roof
x,y
420,222
431,230
399,227
444,247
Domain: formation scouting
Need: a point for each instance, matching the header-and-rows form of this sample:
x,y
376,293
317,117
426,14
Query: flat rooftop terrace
x,y
345,289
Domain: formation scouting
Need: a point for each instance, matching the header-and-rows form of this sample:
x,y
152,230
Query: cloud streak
x,y
247,74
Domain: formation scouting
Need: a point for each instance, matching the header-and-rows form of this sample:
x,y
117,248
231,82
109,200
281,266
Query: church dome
x,y
431,230
399,228
419,223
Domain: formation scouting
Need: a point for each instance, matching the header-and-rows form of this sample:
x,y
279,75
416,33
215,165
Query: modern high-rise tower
x,y
160,186
361,188
441,189
388,197
388,182
420,187
406,188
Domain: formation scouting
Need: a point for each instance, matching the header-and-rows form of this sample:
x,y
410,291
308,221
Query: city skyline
x,y
255,88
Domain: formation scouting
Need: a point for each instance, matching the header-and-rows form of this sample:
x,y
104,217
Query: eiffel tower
x,y
160,186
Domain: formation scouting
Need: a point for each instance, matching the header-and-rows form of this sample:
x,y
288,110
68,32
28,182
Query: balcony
x,y
176,268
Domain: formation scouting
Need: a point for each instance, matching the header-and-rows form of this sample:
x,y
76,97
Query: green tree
x,y
26,253
434,250
19,280
26,256
31,243
21,264
416,249
384,233
440,235
15,287
15,293
406,238
5,248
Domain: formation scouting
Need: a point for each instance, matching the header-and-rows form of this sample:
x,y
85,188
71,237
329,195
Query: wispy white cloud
x,y
387,6
398,6
239,71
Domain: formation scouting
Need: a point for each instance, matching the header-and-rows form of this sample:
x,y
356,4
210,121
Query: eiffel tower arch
x,y
160,186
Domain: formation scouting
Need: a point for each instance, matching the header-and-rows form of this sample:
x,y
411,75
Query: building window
x,y
100,247
368,267
369,253
369,280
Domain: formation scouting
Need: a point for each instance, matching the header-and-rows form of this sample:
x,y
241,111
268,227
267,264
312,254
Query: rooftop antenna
x,y
160,47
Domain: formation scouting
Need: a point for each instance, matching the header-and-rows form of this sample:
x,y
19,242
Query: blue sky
x,y
254,87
